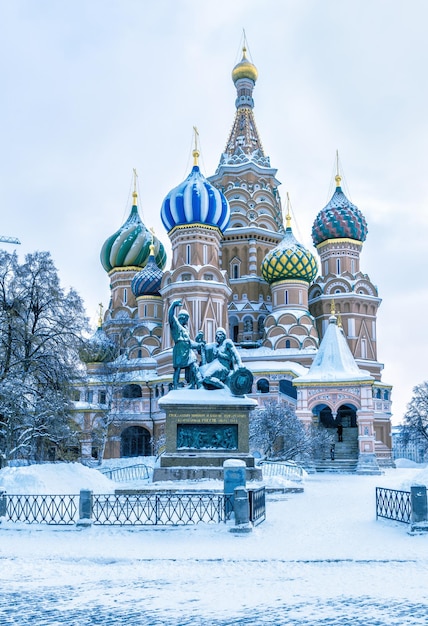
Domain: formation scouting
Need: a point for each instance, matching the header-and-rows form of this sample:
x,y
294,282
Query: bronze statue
x,y
221,365
183,356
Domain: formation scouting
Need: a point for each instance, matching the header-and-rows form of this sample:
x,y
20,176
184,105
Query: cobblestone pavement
x,y
176,592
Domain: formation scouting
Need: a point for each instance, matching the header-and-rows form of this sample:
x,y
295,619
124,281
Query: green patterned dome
x,y
130,245
289,261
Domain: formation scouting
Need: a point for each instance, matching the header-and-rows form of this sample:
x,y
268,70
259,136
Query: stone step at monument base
x,y
162,474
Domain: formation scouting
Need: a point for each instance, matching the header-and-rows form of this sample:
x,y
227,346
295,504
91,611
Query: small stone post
x,y
419,504
3,504
85,508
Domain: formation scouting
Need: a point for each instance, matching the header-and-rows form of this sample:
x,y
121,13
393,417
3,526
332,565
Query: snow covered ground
x,y
320,558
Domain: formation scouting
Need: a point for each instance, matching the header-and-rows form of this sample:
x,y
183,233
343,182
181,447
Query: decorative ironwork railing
x,y
126,474
281,468
393,504
41,509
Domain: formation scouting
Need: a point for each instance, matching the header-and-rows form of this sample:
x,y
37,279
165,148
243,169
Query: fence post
x,y
419,504
85,508
3,505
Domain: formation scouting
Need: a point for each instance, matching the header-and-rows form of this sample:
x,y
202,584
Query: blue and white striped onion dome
x,y
340,219
130,245
98,349
195,201
289,261
147,282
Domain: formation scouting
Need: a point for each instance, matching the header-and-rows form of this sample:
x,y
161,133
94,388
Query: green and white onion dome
x,y
289,261
130,245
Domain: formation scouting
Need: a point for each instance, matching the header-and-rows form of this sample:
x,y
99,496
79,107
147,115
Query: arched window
x,y
131,391
263,385
135,441
248,325
188,255
287,343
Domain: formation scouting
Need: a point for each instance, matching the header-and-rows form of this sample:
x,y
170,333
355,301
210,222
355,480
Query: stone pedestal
x,y
203,430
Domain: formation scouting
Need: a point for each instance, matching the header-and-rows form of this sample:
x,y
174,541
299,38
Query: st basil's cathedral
x,y
305,327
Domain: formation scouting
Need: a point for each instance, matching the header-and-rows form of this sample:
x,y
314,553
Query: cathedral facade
x,y
305,327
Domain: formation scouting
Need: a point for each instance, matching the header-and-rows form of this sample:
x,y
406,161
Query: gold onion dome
x,y
289,261
244,69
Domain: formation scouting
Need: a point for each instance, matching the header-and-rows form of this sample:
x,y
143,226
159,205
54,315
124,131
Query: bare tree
x,y
40,328
278,434
415,429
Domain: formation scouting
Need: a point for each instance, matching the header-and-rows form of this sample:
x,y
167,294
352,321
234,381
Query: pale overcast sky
x,y
94,88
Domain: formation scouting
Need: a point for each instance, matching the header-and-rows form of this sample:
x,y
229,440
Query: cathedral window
x,y
300,296
205,254
102,397
325,268
286,296
287,343
208,276
188,254
338,266
186,277
263,385
125,296
76,395
131,391
363,349
89,396
351,327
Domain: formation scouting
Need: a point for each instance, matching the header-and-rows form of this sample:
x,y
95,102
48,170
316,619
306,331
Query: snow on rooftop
x,y
334,361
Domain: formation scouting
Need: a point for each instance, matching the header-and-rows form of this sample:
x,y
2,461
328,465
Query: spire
x,y
288,214
244,141
152,245
337,178
134,193
196,152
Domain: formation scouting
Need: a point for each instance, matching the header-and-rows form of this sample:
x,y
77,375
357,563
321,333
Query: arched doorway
x,y
343,434
135,441
347,416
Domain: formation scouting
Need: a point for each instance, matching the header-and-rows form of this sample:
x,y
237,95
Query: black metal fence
x,y
393,504
160,508
40,509
133,509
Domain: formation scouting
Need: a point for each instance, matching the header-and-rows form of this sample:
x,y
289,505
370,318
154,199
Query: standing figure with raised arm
x,y
183,356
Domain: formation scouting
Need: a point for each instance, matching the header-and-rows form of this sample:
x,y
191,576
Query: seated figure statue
x,y
222,366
